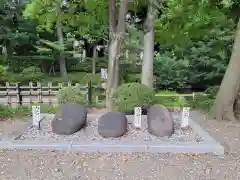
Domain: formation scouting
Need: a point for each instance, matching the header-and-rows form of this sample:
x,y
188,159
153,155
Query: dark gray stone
x,y
112,124
71,119
160,121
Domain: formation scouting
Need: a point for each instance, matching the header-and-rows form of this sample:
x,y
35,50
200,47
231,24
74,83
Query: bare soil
x,y
63,165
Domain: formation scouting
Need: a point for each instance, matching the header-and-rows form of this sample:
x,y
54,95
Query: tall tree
x,y
117,28
17,35
59,28
148,54
230,86
50,16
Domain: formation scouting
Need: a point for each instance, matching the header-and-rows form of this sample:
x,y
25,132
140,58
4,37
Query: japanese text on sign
x,y
36,115
138,117
185,117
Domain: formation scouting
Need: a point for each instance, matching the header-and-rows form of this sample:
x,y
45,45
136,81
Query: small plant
x,y
71,95
131,95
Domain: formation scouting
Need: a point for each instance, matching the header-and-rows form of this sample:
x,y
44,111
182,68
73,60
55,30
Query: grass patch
x,y
48,108
14,112
172,101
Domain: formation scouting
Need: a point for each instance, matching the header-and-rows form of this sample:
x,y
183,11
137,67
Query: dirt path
x,y
63,165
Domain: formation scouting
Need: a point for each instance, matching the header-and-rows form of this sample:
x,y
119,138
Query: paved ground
x,y
62,165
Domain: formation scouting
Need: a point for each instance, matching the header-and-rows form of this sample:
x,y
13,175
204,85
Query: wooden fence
x,y
193,95
16,94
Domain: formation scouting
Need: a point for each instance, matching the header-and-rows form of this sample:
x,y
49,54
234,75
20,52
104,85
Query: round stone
x,y
112,124
72,119
160,121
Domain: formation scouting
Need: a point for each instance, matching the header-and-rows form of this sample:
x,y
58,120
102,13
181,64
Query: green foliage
x,y
77,77
170,71
132,95
71,95
2,71
32,73
212,91
2,74
8,111
206,100
180,23
203,39
130,78
86,66
208,57
17,35
5,111
171,101
84,18
47,108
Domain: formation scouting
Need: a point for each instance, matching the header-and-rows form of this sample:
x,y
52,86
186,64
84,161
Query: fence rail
x,y
193,95
16,94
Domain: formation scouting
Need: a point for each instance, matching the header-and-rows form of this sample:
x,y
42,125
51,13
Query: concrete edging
x,y
118,146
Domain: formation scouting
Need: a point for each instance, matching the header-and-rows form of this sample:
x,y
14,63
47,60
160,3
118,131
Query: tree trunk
x,y
116,36
148,53
229,89
62,61
95,55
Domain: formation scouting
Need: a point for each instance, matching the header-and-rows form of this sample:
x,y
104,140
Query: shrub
x,y
71,95
132,95
205,101
32,73
170,71
130,78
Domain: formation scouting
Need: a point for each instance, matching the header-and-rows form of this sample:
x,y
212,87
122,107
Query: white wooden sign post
x,y
104,74
185,117
138,117
36,115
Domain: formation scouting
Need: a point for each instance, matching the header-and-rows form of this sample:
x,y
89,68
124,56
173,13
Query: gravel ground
x,y
64,165
12,128
90,132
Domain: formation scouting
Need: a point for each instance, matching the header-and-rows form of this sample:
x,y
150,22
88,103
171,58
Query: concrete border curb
x,y
118,146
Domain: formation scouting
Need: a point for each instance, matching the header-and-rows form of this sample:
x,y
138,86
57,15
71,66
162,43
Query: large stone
x,y
160,121
112,124
71,119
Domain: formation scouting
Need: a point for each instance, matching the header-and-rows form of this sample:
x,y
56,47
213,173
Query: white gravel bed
x,y
90,132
